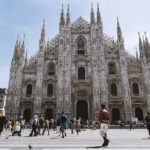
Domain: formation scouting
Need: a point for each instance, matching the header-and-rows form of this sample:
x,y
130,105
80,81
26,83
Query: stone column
x,y
125,88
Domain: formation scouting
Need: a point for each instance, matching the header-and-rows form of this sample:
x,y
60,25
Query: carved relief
x,y
80,26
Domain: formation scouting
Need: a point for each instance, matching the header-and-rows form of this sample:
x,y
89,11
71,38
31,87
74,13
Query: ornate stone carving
x,y
80,26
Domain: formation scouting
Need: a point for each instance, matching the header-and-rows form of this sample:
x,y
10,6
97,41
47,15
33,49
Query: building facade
x,y
77,71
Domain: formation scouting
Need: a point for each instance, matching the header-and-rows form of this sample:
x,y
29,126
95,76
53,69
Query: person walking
x,y
2,122
63,124
131,125
104,124
78,125
35,125
147,121
72,125
46,126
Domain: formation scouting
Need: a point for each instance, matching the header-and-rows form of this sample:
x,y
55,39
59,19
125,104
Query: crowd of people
x,y
40,125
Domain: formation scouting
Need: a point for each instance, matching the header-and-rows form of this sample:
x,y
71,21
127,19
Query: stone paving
x,y
120,139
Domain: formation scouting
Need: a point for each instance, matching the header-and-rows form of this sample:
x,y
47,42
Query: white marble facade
x,y
77,71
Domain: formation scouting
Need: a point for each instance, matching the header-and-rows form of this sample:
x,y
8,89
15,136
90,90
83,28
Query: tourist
x,y
147,121
78,125
63,124
35,124
2,122
104,124
46,126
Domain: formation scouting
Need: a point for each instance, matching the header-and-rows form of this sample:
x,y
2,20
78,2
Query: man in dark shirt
x,y
63,124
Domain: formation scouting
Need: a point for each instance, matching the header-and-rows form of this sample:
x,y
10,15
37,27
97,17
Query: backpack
x,y
63,118
105,117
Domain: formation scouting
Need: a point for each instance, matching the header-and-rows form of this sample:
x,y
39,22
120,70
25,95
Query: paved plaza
x,y
120,139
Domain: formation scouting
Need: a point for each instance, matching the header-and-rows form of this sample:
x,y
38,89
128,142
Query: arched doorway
x,y
49,113
115,115
82,110
27,114
139,113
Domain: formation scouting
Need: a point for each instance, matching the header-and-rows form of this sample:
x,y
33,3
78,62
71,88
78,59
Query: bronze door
x,y
49,113
82,110
27,114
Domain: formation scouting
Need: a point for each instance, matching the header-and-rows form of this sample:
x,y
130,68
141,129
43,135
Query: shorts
x,y
103,129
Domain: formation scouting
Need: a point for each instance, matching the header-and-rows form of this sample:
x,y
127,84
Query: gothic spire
x,y
43,31
23,46
119,32
146,39
23,42
98,15
68,17
26,58
140,42
17,42
17,48
137,54
92,15
62,19
42,38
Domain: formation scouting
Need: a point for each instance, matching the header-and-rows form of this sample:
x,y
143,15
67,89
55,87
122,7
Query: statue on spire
x,y
92,15
119,32
98,15
68,17
62,19
42,39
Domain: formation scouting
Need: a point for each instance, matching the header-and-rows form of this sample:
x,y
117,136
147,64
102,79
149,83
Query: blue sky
x,y
25,16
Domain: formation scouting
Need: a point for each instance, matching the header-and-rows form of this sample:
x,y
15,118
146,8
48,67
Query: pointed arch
x,y
115,115
51,68
112,68
135,89
50,90
114,89
81,73
27,114
81,42
29,90
139,113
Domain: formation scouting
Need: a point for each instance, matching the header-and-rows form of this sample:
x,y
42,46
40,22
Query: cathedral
x,y
77,71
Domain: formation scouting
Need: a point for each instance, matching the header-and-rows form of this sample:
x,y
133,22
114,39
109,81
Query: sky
x,y
26,17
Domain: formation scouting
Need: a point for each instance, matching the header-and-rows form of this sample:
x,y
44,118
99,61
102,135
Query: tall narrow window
x,y
50,90
29,90
135,89
51,69
81,73
112,68
113,89
81,46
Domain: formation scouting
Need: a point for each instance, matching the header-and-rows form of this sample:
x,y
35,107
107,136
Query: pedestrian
x,y
131,125
72,125
46,126
40,126
16,128
2,121
63,124
147,121
78,125
35,124
104,124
